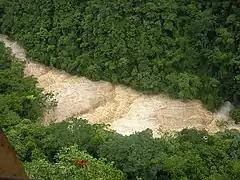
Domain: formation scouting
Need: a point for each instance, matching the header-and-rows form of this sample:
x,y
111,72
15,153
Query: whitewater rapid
x,y
125,109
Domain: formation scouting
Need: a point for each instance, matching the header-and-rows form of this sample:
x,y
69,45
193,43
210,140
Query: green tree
x,y
65,168
235,114
19,96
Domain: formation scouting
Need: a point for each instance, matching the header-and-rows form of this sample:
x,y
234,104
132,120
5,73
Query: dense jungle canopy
x,y
189,49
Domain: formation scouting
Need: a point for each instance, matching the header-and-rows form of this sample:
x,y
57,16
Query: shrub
x,y
235,115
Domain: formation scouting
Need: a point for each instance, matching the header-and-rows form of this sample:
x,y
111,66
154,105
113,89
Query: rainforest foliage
x,y
19,98
185,48
48,152
235,114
